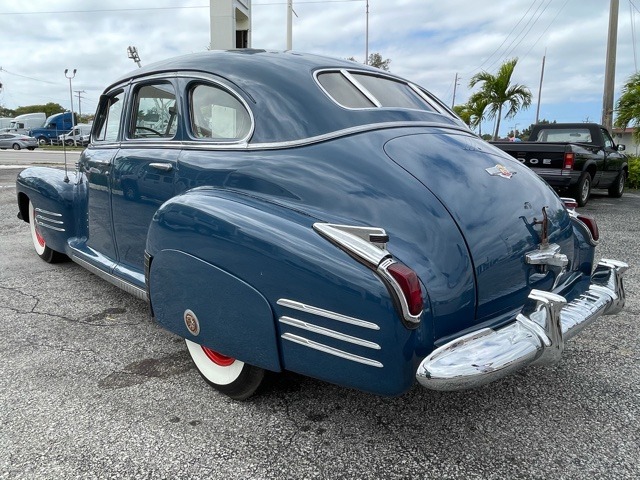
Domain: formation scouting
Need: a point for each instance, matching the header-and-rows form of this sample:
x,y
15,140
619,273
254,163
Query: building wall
x,y
625,137
228,16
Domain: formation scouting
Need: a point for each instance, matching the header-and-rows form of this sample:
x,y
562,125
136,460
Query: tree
x,y
463,112
477,106
497,91
526,132
628,106
49,109
7,112
375,60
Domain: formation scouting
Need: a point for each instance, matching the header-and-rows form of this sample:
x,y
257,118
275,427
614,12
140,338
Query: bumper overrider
x,y
536,337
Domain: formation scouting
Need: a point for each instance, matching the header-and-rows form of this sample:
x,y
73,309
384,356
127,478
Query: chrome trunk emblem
x,y
500,171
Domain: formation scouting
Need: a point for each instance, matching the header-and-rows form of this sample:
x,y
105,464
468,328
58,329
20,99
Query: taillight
x,y
568,161
569,203
591,224
409,285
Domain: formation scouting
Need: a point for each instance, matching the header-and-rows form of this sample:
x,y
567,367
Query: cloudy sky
x,y
428,41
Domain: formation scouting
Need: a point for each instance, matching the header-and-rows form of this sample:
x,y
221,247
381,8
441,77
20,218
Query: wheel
x,y
232,377
42,140
31,148
69,143
16,146
617,187
583,189
44,252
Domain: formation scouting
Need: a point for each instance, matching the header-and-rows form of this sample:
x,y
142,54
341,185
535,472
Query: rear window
x,y
579,135
362,90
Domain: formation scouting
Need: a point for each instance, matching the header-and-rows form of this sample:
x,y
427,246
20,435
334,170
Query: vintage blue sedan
x,y
283,211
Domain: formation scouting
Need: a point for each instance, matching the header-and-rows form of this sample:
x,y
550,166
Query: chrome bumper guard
x,y
536,336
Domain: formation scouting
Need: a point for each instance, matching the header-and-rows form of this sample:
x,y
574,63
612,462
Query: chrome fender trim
x,y
536,336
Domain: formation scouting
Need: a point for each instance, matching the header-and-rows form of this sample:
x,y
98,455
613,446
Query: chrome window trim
x,y
310,327
331,350
361,87
285,302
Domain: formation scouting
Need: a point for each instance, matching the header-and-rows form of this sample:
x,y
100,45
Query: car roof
x,y
279,87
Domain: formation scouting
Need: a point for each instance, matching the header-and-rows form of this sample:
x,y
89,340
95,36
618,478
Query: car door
x,y
95,165
613,160
144,170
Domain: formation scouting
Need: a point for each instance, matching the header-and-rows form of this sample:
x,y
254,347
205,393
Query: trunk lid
x,y
496,203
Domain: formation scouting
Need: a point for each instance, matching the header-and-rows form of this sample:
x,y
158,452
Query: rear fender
x,y
54,195
248,268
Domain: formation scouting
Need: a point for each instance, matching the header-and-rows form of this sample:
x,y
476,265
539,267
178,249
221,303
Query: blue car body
x,y
271,244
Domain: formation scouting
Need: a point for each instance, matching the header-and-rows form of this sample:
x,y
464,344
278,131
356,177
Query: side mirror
x,y
621,148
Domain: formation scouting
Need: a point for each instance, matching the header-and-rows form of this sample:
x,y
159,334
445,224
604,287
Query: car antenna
x,y
64,150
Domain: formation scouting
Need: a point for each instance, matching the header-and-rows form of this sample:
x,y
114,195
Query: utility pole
x,y
289,24
455,88
610,68
540,88
79,101
132,52
366,41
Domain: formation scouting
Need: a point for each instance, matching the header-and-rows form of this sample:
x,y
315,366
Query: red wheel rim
x,y
218,358
37,230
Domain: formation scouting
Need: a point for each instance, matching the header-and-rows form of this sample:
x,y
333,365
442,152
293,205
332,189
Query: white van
x,y
27,121
80,134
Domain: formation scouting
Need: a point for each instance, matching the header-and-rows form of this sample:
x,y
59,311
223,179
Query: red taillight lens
x,y
409,284
568,161
591,224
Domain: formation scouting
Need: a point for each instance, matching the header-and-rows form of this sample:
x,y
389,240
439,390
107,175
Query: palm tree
x,y
477,106
628,106
497,90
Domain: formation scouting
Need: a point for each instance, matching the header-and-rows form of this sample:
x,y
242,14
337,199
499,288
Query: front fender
x,y
270,291
55,193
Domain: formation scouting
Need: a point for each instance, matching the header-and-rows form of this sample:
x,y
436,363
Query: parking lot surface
x,y
90,387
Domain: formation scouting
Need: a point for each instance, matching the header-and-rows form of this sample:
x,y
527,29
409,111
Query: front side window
x,y
216,114
155,114
608,142
109,115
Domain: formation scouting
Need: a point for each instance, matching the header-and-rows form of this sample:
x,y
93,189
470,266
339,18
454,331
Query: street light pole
x,y
73,126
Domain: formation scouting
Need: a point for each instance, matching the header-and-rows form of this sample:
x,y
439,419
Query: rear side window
x,y
352,89
391,93
216,114
109,115
343,91
155,114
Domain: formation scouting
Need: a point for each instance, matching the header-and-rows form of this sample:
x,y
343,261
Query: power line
x,y
25,76
148,9
548,26
504,41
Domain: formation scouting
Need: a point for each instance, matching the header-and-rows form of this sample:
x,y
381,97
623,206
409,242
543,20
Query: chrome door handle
x,y
165,167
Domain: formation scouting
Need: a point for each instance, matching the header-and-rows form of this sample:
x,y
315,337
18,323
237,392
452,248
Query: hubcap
x,y
218,358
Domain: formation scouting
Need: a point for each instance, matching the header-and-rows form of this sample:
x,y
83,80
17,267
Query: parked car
x,y
80,134
573,158
284,211
17,141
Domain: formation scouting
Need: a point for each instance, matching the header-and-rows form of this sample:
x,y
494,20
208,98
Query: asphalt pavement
x,y
90,387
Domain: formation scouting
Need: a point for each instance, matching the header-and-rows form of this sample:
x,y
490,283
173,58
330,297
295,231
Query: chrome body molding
x,y
548,255
536,336
118,282
50,220
310,327
368,245
284,302
330,350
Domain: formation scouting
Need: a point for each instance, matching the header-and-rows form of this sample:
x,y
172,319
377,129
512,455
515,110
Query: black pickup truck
x,y
573,158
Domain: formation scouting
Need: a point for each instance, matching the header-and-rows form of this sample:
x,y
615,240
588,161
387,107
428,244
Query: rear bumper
x,y
535,337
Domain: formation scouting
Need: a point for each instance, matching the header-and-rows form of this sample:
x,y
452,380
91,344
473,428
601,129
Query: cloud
x,y
428,41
